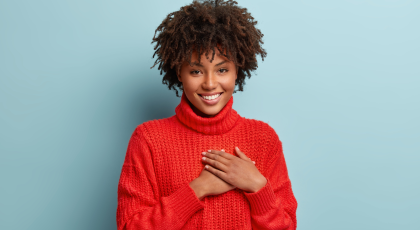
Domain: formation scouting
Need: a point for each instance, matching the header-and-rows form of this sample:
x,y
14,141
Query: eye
x,y
194,72
223,70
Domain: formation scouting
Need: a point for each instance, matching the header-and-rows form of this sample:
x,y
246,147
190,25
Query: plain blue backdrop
x,y
340,85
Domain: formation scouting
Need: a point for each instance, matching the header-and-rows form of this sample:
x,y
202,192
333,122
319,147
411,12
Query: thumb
x,y
241,154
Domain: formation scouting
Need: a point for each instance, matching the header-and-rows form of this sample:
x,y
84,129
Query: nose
x,y
210,82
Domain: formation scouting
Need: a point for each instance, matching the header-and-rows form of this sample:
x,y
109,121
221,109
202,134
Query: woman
x,y
206,167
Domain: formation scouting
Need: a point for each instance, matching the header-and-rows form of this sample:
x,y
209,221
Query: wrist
x,y
198,188
259,185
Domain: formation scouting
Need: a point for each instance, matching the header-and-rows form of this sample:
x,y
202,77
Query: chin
x,y
210,112
214,110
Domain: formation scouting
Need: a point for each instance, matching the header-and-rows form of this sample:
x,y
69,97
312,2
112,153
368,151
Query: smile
x,y
211,100
211,97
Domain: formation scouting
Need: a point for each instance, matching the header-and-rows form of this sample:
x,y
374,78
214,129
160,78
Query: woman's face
x,y
208,86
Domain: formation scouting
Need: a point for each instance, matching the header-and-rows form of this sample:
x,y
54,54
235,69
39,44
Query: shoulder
x,y
155,127
259,128
260,132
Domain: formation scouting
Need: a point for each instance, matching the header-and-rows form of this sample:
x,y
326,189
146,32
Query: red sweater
x,y
164,156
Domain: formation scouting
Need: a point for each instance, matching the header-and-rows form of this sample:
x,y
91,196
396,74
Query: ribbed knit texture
x,y
164,156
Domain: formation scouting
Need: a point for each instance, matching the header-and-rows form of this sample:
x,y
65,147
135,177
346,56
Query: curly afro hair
x,y
204,26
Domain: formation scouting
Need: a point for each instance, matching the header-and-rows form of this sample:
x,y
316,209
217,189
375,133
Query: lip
x,y
209,94
210,102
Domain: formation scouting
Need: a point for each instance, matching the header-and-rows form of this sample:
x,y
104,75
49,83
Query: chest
x,y
177,156
177,159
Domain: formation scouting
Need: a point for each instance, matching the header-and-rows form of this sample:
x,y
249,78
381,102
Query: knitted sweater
x,y
164,156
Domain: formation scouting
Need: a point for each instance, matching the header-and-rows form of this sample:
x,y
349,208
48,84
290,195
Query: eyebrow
x,y
200,65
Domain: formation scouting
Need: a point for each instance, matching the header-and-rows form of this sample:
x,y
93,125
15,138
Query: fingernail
x,y
204,158
236,148
209,150
223,150
204,153
206,166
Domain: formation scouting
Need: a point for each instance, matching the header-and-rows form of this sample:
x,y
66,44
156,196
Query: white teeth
x,y
211,97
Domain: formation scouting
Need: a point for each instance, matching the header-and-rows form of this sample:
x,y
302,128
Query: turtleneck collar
x,y
219,124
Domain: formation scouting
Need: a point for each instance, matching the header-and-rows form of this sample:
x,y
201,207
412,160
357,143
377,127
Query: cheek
x,y
229,83
190,84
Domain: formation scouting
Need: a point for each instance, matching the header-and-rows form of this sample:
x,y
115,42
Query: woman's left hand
x,y
237,171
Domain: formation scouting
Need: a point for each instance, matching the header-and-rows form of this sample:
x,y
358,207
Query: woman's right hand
x,y
207,184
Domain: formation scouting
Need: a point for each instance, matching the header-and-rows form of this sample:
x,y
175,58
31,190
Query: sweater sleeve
x,y
274,206
140,205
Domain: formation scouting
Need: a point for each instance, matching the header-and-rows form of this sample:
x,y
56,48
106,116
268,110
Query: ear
x,y
178,75
178,70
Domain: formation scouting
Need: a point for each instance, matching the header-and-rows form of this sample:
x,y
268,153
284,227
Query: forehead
x,y
208,58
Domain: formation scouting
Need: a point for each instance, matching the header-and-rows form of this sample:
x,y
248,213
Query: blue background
x,y
340,85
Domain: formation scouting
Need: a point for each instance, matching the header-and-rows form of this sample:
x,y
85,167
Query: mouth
x,y
211,99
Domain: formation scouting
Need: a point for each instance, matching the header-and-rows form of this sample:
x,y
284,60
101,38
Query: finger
x,y
216,157
220,153
217,164
241,154
216,172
